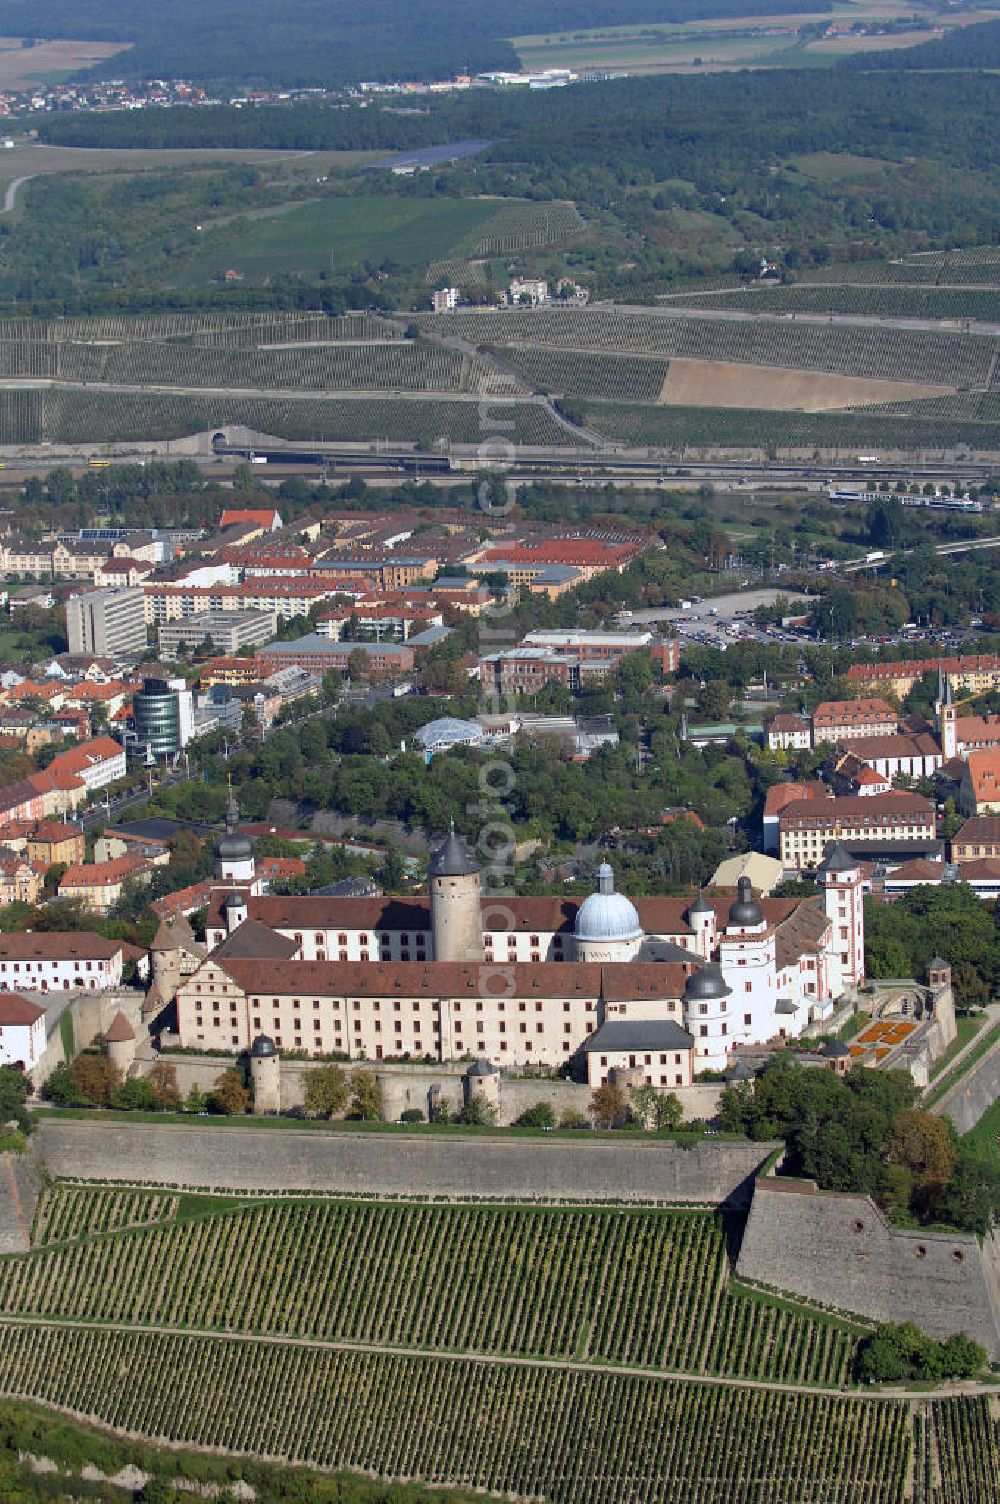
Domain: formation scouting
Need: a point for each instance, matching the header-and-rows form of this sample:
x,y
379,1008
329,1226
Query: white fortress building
x,y
665,987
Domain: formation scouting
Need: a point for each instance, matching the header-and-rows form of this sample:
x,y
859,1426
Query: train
x,y
932,503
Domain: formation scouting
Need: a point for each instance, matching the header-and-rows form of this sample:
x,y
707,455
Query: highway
x,y
856,566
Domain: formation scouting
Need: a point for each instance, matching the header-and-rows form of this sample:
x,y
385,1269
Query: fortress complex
x,y
665,987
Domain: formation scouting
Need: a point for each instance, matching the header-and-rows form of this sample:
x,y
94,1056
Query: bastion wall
x,y
840,1251
352,1162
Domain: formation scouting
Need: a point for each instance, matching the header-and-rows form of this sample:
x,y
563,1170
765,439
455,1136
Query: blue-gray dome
x,y
746,913
607,915
262,1047
232,847
706,983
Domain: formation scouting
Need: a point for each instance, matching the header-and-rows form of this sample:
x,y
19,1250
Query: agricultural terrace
x,y
490,1347
645,1288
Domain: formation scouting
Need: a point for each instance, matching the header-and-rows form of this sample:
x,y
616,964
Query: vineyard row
x,y
572,1436
646,1288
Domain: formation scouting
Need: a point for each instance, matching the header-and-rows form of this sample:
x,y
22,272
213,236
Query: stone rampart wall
x,y
839,1250
409,1086
248,1158
970,1097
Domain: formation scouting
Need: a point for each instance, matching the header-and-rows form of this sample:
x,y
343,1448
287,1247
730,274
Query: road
x,y
856,566
11,194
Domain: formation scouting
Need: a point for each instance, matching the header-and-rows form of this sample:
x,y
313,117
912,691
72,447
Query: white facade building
x,y
60,962
22,1031
522,981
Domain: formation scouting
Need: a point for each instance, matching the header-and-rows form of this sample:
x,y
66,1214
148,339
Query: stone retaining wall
x,y
839,1250
227,1157
976,1091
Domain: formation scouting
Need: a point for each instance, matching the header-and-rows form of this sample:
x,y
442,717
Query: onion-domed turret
x,y
745,913
234,852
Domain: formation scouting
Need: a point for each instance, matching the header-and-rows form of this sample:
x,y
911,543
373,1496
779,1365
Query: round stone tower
x,y
456,913
265,1076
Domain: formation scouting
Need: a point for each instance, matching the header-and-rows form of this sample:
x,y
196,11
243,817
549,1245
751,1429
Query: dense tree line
x,y
630,153
964,47
862,1133
309,42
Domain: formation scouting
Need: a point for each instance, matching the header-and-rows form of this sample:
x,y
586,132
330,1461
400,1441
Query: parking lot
x,y
719,619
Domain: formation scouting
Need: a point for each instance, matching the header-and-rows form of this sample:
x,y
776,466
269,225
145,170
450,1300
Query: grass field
x,y
21,66
984,1138
339,233
761,41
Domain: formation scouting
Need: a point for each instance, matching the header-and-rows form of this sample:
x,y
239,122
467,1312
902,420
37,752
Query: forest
x,y
312,42
677,179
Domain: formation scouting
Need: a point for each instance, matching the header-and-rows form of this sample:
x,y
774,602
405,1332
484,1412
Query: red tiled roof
x,y
57,945
17,1010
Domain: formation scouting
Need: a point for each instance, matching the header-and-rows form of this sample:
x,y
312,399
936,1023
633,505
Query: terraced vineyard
x,y
525,226
74,1211
886,353
78,415
877,301
583,373
637,1287
749,428
485,1347
414,366
570,1436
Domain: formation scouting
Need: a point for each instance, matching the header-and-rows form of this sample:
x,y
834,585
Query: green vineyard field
x,y
493,1348
570,1436
952,359
888,302
637,1287
78,415
76,1211
623,378
674,427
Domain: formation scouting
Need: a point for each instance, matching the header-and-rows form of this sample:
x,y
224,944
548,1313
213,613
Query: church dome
x,y
705,984
232,847
605,914
746,912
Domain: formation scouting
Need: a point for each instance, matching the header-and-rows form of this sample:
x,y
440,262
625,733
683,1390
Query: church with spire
x,y
665,985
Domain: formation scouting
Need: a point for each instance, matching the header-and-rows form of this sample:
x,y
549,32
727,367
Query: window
x,y
703,1030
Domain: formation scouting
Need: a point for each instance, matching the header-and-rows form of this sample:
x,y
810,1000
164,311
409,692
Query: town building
x,y
55,843
978,837
109,623
846,720
22,1031
223,632
895,820
318,654
63,961
778,797
966,675
97,886
979,791
788,733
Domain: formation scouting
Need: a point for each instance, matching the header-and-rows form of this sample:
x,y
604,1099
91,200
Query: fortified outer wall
x,y
408,1086
350,1162
970,1097
839,1250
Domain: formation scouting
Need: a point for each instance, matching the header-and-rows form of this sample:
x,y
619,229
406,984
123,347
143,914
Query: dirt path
x,y
11,194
